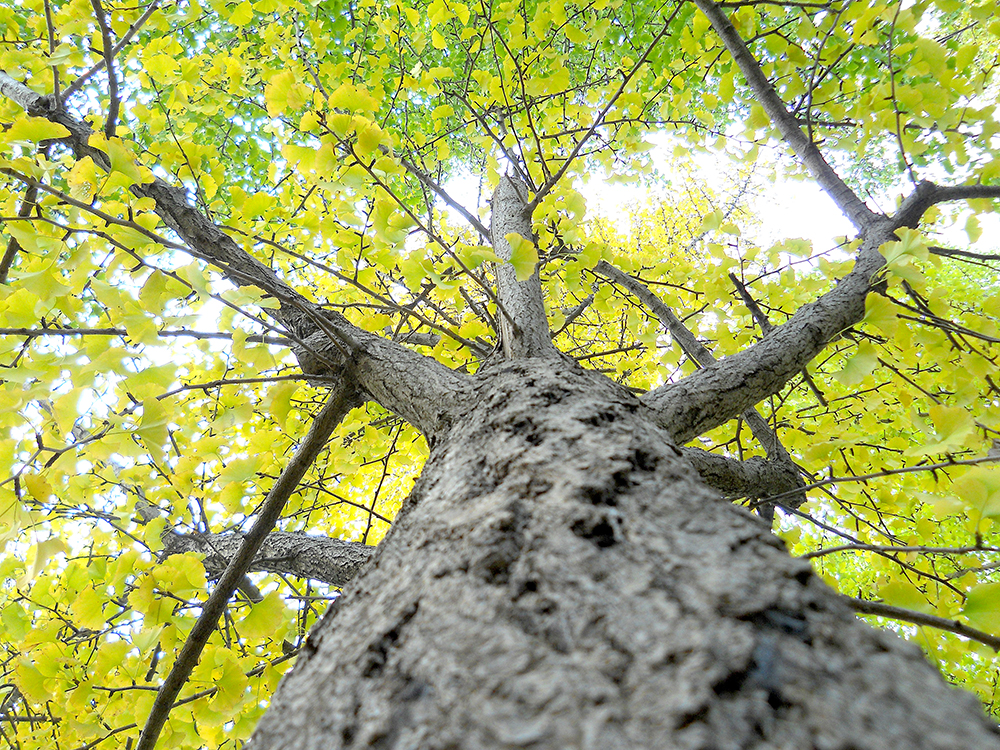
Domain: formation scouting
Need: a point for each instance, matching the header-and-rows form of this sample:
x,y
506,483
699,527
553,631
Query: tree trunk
x,y
559,578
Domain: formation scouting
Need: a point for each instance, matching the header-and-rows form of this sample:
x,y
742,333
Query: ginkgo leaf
x,y
33,129
38,487
39,555
860,365
881,313
523,256
88,609
982,607
280,401
265,617
952,425
711,221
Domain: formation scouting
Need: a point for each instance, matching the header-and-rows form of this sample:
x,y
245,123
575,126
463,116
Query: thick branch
x,y
526,333
754,481
928,194
342,400
756,477
852,206
712,396
331,561
416,387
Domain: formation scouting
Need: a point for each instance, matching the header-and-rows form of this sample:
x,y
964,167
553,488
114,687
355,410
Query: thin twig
x,y
890,549
554,180
919,618
50,26
13,246
890,473
765,328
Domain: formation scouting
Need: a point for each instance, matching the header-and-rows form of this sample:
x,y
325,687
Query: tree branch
x,y
342,399
756,477
928,194
712,396
332,561
852,206
111,121
766,328
919,618
443,195
948,252
126,38
554,179
13,246
748,481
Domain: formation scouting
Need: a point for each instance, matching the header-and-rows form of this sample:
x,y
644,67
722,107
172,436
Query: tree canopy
x,y
195,196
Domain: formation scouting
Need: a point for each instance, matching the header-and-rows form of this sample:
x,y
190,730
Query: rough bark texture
x,y
320,558
560,579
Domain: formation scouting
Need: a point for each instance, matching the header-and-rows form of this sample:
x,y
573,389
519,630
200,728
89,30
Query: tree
x,y
564,571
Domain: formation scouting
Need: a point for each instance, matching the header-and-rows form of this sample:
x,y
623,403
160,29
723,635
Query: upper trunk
x,y
524,329
559,578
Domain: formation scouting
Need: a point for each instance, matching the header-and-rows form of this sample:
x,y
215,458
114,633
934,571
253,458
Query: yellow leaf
x,y
351,98
87,609
38,487
242,15
39,555
859,366
33,129
122,161
523,255
982,607
711,221
369,139
952,425
279,401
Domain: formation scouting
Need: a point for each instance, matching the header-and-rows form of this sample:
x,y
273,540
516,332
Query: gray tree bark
x,y
559,578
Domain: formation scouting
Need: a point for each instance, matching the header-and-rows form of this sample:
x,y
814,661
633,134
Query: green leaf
x,y
711,221
265,617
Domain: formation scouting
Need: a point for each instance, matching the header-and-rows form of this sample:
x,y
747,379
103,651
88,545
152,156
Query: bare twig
x,y
892,549
893,472
111,121
51,28
919,618
13,246
132,30
765,328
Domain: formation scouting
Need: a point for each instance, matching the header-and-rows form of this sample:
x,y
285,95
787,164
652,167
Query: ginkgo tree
x,y
302,297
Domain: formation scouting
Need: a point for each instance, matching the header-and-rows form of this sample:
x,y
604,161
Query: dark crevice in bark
x,y
378,651
582,589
